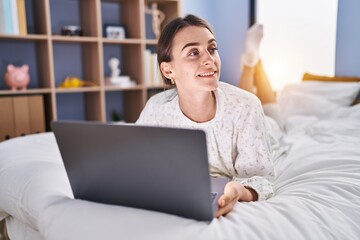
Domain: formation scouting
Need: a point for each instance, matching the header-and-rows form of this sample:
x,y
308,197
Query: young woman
x,y
233,119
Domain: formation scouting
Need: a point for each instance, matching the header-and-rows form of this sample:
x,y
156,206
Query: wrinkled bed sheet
x,y
317,192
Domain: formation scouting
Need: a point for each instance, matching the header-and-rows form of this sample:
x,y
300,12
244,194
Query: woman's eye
x,y
194,53
213,49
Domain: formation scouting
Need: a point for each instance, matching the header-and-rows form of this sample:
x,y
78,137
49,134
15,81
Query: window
x,y
299,36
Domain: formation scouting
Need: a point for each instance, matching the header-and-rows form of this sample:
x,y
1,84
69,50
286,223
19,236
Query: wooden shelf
x,y
151,41
25,92
117,88
51,56
77,89
24,37
59,38
122,41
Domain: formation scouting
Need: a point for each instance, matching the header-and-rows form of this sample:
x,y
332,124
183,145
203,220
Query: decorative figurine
x,y
114,31
114,67
157,18
75,82
115,78
17,77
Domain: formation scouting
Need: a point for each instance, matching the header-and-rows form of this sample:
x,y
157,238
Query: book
x,y
7,121
152,74
21,115
147,68
36,113
2,18
156,76
6,14
14,16
22,17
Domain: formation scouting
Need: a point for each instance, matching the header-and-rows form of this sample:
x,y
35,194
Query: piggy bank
x,y
17,77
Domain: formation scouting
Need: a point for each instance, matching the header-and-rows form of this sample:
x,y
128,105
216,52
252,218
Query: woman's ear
x,y
165,68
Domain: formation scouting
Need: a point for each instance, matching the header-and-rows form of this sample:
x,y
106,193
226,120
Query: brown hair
x,y
164,46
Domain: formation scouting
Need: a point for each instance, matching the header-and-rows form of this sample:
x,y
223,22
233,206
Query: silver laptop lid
x,y
154,168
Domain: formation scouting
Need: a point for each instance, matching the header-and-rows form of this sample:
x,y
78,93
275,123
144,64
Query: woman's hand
x,y
233,193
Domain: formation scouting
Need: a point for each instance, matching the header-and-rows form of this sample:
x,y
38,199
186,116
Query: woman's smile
x,y
207,74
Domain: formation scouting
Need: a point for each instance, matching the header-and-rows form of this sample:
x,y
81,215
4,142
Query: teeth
x,y
206,74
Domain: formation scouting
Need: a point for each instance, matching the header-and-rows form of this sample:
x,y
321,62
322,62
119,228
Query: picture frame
x,y
71,30
114,31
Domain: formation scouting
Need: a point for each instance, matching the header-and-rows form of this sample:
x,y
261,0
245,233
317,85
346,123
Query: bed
x,y
317,184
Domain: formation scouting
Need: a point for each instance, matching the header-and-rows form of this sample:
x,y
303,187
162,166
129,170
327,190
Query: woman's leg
x,y
247,79
267,97
264,90
250,57
253,77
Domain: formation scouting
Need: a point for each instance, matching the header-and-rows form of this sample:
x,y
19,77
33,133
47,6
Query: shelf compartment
x,y
114,106
82,106
31,111
121,12
37,57
169,8
79,13
128,55
21,115
37,18
76,59
134,102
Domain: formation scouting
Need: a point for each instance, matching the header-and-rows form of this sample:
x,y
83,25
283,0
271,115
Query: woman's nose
x,y
208,58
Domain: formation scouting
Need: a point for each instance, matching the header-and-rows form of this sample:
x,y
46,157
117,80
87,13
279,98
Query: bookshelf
x,y
52,57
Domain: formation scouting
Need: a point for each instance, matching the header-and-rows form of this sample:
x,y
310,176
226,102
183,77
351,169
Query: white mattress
x,y
317,192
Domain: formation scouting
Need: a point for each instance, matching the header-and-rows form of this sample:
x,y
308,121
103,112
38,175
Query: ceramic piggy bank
x,y
17,77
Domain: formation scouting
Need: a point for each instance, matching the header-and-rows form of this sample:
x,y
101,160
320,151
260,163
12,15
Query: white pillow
x,y
341,93
32,176
302,104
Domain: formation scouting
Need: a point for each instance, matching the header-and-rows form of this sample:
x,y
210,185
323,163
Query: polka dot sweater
x,y
237,137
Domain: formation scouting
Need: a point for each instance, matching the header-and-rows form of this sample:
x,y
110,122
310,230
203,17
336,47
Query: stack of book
x,y
13,17
21,115
152,73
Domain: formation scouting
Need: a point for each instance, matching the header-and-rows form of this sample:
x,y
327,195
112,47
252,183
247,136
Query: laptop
x,y
155,168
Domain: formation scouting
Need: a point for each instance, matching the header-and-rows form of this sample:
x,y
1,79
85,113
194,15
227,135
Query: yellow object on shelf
x,y
74,82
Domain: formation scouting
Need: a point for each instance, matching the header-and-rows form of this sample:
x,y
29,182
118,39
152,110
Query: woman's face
x,y
195,64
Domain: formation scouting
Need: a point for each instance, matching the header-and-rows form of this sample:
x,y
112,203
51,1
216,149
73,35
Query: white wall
x,y
229,20
348,39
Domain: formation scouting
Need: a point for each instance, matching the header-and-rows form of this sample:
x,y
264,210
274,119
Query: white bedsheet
x,y
317,193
